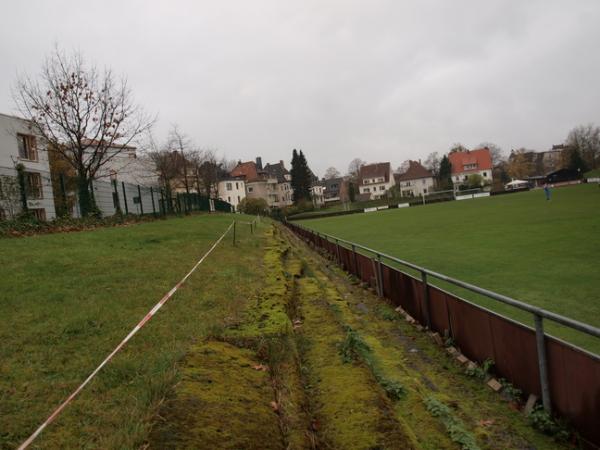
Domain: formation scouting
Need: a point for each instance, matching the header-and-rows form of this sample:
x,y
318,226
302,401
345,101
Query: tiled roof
x,y
481,158
276,170
246,170
414,172
376,170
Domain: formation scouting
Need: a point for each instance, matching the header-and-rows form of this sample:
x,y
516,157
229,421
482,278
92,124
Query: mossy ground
x,y
400,353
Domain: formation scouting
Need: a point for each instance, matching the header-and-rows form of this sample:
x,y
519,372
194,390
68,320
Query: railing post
x,y
337,252
542,362
379,275
426,299
234,222
355,260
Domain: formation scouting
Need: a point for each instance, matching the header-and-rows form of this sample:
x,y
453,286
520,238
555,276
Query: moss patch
x,y
222,401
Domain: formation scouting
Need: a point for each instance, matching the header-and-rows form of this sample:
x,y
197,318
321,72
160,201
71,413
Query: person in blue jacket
x,y
547,191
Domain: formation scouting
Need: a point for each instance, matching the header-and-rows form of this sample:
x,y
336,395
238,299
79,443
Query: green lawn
x,y
546,253
66,300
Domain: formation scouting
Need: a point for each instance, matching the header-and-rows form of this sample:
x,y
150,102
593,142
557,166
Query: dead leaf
x,y
261,367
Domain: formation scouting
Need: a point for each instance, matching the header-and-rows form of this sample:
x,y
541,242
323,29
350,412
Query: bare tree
x,y
433,164
87,116
520,164
331,172
354,167
586,140
458,147
402,168
495,151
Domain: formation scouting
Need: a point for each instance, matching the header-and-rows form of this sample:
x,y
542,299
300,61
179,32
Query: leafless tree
x,y
432,163
354,167
586,139
331,172
496,152
458,147
87,116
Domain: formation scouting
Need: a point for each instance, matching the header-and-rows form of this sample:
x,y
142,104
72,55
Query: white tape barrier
x,y
146,318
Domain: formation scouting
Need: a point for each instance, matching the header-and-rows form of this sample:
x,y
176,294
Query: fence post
x,y
234,222
355,260
63,191
125,198
542,361
152,197
425,299
337,252
140,197
116,197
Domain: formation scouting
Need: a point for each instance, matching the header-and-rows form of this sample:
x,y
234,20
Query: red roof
x,y
471,160
414,172
376,170
246,170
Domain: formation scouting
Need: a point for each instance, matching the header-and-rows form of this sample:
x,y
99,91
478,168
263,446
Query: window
x,y
237,185
250,189
485,174
228,199
382,188
34,185
228,186
39,213
27,147
239,199
367,190
466,178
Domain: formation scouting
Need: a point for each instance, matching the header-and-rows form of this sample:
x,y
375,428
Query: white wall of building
x,y
232,191
10,128
417,187
376,187
462,177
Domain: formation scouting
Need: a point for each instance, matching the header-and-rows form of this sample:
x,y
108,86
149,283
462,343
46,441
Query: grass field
x,y
546,253
266,346
69,299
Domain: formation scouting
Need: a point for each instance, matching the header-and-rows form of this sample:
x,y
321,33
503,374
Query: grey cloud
x,y
380,80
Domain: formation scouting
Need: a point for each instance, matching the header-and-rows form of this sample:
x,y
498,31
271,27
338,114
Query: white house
x,y
21,144
471,162
232,190
317,193
375,180
415,181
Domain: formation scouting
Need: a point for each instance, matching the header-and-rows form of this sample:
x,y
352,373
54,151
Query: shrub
x,y
254,206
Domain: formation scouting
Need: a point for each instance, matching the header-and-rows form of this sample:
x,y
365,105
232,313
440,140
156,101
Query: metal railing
x,y
539,314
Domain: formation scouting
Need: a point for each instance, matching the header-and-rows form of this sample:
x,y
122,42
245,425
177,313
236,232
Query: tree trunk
x,y
85,198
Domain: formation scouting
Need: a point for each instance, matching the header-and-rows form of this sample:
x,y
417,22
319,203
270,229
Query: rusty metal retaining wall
x,y
573,374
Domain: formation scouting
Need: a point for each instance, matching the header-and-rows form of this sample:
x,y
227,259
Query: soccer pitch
x,y
546,253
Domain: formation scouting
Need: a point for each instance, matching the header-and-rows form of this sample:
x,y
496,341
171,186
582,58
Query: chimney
x,y
259,163
281,162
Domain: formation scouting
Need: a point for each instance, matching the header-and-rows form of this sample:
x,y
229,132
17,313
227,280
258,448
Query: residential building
x,y
271,182
21,144
335,190
232,190
415,181
317,193
471,162
374,180
539,164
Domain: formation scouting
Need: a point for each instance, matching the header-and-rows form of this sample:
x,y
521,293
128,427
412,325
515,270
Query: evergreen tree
x,y
445,173
294,172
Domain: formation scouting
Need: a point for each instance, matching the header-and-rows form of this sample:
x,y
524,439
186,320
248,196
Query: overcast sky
x,y
379,80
